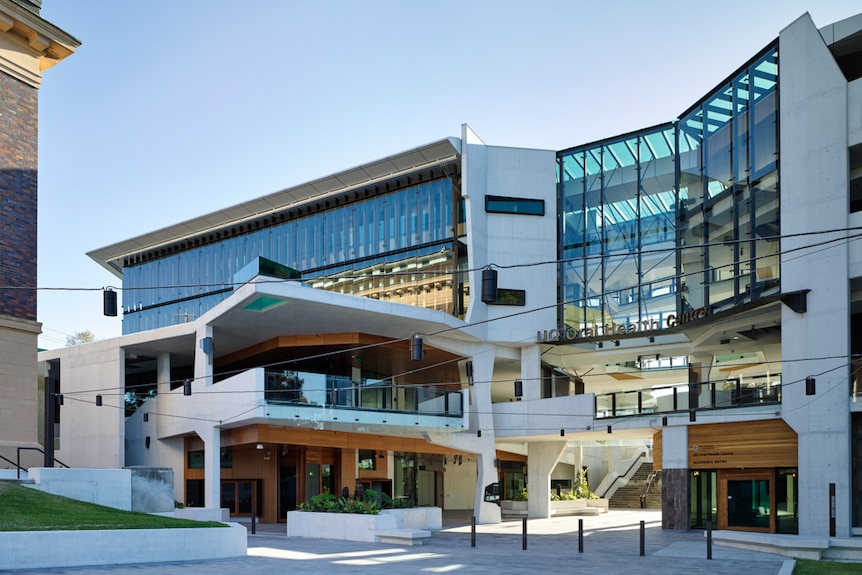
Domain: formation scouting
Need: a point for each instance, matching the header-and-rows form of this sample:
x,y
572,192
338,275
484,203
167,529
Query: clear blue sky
x,y
175,108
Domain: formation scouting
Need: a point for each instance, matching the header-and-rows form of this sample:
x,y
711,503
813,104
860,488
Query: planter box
x,y
357,527
579,507
518,508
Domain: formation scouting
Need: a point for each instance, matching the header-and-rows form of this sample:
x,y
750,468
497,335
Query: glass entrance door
x,y
747,500
748,503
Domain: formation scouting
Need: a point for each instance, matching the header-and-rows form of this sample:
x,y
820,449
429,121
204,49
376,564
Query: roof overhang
x,y
111,257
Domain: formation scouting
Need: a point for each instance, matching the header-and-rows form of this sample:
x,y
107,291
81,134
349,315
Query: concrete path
x,y
611,547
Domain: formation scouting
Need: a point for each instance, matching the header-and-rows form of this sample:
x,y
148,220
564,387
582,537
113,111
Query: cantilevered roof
x,y
111,257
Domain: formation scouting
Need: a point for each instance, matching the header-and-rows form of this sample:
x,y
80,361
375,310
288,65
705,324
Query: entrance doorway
x,y
746,500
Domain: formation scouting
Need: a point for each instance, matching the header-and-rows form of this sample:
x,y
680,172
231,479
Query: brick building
x,y
28,46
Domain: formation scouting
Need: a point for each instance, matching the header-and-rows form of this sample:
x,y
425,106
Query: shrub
x,y
369,502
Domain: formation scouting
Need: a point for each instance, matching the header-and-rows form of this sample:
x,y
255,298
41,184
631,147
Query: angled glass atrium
x,y
674,218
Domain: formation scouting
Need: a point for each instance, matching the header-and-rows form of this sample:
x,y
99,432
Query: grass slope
x,y
804,567
25,509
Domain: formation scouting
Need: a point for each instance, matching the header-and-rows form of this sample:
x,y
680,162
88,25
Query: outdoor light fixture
x,y
664,421
810,383
59,399
146,417
98,401
109,302
187,387
479,433
609,429
519,388
692,415
562,433
416,352
260,447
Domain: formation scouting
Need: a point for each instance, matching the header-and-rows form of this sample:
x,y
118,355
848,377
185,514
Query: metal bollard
x,y
253,523
580,535
709,540
524,533
643,539
473,532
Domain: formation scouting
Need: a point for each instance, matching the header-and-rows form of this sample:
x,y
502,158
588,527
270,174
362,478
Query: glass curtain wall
x,y
618,231
677,217
397,246
728,190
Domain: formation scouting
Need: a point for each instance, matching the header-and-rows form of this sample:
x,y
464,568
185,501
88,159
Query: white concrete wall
x,y
814,184
91,436
506,239
47,549
544,416
108,487
459,484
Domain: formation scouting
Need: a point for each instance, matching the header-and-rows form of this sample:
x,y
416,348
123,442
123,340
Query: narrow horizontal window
x,y
505,205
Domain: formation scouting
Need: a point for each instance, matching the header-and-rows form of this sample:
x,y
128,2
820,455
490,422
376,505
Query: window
x,y
367,459
520,206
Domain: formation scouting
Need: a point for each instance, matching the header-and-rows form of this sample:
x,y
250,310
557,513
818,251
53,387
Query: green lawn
x,y
25,509
804,567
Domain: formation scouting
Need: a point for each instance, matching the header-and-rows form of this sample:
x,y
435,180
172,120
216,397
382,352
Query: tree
x,y
80,337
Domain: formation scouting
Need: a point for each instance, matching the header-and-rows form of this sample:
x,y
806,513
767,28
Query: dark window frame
x,y
498,205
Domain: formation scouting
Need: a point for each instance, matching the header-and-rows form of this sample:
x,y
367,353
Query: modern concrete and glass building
x,y
460,314
29,45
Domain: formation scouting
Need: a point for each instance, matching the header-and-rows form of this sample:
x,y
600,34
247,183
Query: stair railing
x,y
40,450
637,459
650,480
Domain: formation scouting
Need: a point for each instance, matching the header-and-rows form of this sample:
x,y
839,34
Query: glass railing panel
x,y
313,389
708,395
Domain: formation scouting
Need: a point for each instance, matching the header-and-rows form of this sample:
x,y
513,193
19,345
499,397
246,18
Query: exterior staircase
x,y
629,495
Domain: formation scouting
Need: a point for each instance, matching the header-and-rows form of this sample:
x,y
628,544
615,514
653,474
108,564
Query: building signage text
x,y
611,329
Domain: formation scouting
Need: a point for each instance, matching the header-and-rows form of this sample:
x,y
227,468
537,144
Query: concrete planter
x,y
47,549
575,506
357,527
514,508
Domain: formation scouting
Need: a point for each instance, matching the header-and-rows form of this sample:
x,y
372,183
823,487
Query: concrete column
x,y
531,372
203,361
542,457
674,478
163,371
817,343
482,422
212,466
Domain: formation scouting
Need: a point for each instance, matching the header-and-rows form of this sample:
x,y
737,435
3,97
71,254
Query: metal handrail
x,y
40,450
618,477
647,487
6,459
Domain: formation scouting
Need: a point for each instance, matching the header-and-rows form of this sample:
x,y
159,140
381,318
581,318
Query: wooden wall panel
x,y
750,444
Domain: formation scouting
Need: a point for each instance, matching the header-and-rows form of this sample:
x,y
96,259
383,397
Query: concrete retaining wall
x,y
358,527
43,549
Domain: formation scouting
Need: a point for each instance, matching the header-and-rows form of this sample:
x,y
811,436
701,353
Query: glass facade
x,y
405,237
676,217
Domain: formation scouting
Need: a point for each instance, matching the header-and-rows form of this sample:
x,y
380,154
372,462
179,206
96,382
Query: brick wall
x,y
18,197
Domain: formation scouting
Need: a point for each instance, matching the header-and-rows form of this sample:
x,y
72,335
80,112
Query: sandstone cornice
x,y
43,42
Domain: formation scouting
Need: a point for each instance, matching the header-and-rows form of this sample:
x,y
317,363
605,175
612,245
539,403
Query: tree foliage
x,y
79,337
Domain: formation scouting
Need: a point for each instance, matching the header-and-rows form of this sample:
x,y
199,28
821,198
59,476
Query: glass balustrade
x,y
340,392
707,395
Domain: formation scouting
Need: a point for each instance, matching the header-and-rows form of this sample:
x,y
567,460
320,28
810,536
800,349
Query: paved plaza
x,y
611,547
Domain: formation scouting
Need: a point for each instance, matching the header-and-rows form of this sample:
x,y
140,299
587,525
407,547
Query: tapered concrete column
x,y
542,458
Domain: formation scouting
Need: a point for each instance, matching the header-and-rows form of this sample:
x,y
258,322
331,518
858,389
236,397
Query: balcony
x,y
707,395
335,399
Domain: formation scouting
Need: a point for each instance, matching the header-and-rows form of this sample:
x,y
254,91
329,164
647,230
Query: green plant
x,y
581,490
370,502
521,495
